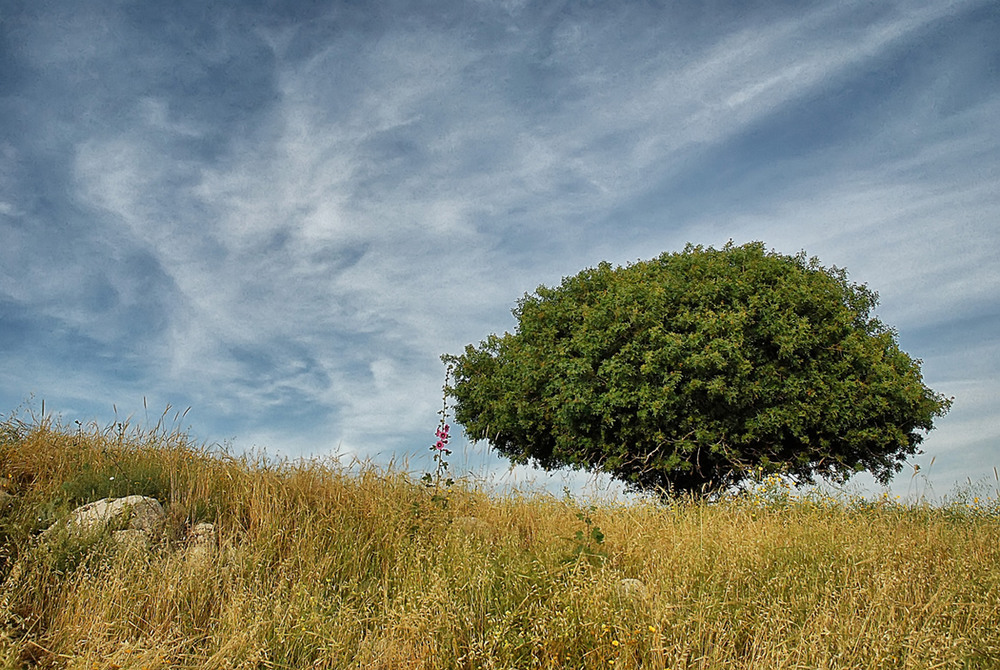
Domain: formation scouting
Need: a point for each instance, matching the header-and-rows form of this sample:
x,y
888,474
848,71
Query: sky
x,y
278,215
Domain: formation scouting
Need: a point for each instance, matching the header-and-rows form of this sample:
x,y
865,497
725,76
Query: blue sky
x,y
280,214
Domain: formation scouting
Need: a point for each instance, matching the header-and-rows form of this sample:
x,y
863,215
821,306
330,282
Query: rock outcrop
x,y
134,524
135,516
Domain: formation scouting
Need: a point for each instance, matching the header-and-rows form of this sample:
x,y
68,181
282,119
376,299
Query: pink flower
x,y
439,478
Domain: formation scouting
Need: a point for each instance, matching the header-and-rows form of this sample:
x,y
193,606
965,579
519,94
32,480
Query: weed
x,y
588,542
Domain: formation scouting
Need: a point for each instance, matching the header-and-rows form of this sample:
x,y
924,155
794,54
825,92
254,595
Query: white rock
x,y
632,588
129,513
201,536
201,541
470,525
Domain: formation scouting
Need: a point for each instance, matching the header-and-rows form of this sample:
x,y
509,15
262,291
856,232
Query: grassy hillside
x,y
320,567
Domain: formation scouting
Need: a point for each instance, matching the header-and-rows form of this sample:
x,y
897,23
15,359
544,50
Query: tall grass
x,y
319,566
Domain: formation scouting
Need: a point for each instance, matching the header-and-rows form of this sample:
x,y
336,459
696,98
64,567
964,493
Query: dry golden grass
x,y
319,567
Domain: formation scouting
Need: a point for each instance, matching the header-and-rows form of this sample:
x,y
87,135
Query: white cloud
x,y
405,185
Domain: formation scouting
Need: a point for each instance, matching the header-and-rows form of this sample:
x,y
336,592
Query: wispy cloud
x,y
283,217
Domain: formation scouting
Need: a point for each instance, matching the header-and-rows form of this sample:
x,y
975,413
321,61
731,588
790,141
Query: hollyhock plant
x,y
441,450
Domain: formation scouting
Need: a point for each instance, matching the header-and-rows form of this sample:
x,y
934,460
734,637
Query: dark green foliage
x,y
691,371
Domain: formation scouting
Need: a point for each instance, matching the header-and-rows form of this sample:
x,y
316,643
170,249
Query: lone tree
x,y
696,370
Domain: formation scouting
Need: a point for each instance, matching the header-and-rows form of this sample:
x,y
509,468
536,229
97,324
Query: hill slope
x,y
316,565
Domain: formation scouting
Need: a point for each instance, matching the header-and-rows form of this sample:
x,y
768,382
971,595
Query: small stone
x,y
201,541
472,525
632,588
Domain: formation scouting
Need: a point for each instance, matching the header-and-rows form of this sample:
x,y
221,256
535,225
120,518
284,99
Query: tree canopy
x,y
693,371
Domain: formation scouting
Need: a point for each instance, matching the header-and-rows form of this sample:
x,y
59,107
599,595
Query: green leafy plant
x,y
588,542
697,371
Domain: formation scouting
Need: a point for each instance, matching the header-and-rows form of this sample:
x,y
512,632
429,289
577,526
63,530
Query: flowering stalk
x,y
441,450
